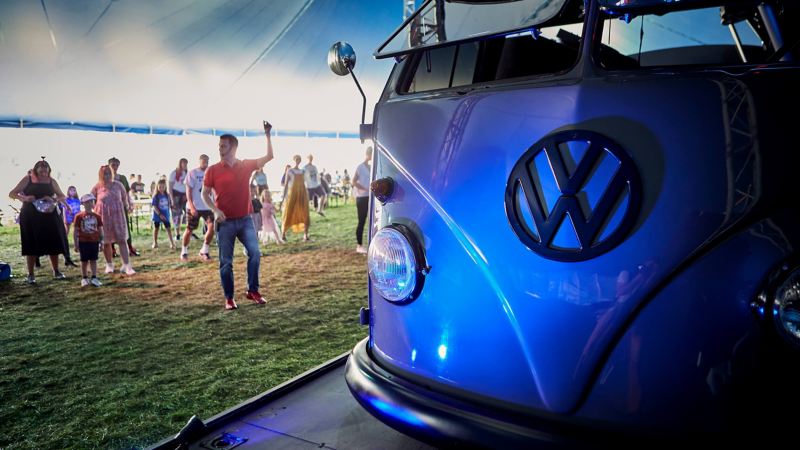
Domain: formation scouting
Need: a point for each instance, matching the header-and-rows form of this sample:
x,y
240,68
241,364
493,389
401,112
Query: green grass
x,y
125,365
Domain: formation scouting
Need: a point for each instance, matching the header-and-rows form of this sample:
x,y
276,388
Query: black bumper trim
x,y
446,421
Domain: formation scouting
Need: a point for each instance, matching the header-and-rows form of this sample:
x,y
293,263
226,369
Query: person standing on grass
x,y
112,202
346,186
72,207
259,179
197,209
361,192
255,210
69,208
113,162
269,225
41,228
137,187
87,238
325,182
161,207
229,181
285,185
316,192
177,193
295,203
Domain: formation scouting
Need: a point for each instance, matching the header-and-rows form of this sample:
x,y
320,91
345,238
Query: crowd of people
x,y
232,199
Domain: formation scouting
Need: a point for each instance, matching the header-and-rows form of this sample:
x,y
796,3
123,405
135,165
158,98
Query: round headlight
x,y
395,267
786,308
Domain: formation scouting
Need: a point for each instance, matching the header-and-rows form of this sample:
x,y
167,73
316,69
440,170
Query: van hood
x,y
499,320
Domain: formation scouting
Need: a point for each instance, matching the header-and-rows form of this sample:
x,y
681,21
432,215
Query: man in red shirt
x,y
230,181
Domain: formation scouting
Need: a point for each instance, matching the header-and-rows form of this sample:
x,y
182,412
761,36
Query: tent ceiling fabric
x,y
190,63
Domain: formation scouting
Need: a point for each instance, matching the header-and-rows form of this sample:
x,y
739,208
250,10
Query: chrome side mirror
x,y
341,58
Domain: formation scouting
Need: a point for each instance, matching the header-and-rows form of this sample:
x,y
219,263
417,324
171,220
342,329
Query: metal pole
x,y
738,42
771,25
364,97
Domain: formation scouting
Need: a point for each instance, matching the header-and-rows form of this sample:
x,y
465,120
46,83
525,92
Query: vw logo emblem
x,y
573,196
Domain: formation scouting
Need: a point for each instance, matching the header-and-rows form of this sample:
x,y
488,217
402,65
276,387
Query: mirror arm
x,y
342,60
363,97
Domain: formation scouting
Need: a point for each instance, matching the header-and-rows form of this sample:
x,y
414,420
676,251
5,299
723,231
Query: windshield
x,y
637,3
439,22
621,7
728,33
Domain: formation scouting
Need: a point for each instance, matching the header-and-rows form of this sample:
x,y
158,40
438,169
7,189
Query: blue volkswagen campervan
x,y
585,223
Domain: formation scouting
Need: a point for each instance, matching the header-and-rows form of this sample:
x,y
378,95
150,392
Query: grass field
x,y
125,365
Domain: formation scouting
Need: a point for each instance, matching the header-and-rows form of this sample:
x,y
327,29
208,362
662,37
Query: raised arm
x,y
268,157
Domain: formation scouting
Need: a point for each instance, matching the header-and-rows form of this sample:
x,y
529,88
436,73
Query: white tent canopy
x,y
189,63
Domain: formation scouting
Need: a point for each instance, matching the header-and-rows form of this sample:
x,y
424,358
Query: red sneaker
x,y
230,304
256,298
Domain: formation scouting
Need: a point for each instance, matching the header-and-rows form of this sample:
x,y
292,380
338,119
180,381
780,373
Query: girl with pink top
x,y
269,225
112,201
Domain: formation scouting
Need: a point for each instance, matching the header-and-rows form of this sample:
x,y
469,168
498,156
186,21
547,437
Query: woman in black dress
x,y
40,225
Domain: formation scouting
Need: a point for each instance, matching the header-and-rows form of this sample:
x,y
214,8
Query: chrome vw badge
x,y
573,196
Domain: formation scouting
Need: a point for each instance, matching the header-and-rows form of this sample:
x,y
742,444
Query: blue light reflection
x,y
396,412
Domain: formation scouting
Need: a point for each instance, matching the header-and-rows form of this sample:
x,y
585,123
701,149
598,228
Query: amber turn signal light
x,y
382,189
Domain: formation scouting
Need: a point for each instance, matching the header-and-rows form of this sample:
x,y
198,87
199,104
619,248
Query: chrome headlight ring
x,y
779,303
397,265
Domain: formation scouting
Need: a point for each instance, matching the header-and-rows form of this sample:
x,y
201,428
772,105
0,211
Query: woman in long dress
x,y
295,206
40,226
112,202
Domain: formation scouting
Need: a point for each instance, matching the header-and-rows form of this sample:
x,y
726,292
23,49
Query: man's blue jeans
x,y
243,229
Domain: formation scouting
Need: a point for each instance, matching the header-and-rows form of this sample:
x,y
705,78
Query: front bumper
x,y
445,421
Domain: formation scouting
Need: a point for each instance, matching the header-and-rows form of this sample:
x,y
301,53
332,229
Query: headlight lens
x,y
392,263
787,308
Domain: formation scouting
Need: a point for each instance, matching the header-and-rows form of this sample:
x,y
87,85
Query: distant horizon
x,y
41,123
75,156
